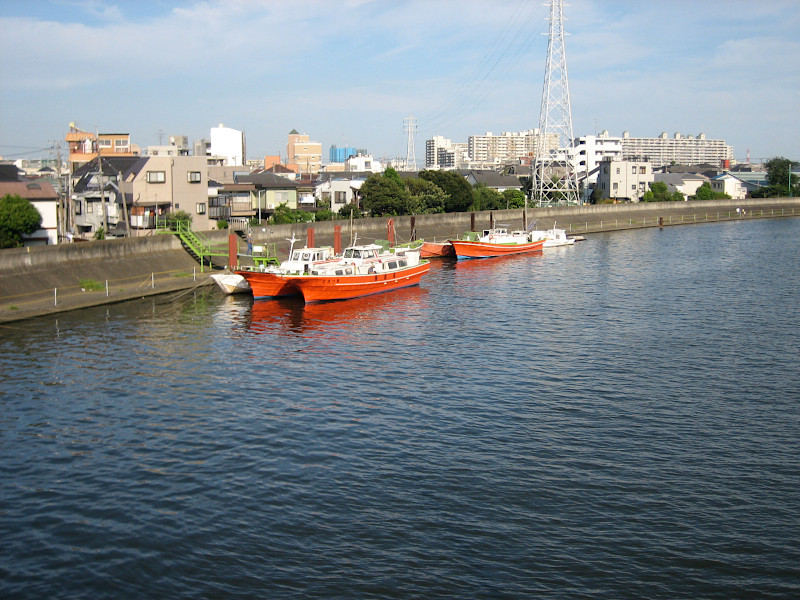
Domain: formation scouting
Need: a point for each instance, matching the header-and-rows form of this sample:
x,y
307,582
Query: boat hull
x,y
268,285
436,249
475,249
319,288
231,283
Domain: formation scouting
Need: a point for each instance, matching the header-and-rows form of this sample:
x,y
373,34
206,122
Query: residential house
x,y
254,195
685,183
736,187
339,189
41,195
624,180
493,180
96,201
157,185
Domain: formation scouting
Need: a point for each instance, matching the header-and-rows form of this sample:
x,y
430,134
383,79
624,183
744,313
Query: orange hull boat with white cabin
x,y
497,242
268,282
362,270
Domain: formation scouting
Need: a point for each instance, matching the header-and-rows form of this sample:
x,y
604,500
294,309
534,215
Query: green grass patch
x,y
181,274
91,285
13,307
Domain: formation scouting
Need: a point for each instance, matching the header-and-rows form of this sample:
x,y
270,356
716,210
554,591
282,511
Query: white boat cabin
x,y
369,259
501,235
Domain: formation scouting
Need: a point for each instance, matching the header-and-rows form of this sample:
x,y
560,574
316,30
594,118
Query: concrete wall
x,y
31,270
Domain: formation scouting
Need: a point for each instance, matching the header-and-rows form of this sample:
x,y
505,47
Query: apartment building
x,y
485,151
497,149
303,155
442,153
84,146
590,150
624,180
680,149
229,144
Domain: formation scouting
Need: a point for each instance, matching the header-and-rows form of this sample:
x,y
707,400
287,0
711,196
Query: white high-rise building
x,y
229,144
680,149
445,154
591,150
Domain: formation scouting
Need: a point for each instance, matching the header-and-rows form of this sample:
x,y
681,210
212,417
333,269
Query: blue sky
x,y
349,72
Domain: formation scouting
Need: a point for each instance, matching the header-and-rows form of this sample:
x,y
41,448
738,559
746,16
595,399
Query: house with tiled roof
x,y
684,182
42,195
736,187
493,180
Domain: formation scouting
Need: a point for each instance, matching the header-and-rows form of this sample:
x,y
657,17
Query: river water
x,y
618,419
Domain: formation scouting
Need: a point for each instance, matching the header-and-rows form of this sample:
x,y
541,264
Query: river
x,y
616,419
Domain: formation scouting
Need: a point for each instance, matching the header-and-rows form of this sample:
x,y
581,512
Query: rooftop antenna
x,y
410,126
556,178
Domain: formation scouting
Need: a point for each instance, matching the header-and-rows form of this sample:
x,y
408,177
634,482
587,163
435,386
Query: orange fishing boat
x,y
362,270
268,281
497,242
436,249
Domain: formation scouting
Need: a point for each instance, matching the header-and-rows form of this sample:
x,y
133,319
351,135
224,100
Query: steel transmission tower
x,y
556,180
410,125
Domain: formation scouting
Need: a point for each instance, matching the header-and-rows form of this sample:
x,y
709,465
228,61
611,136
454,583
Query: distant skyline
x,y
350,72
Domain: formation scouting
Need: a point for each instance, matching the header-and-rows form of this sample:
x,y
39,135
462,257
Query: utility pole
x,y
102,194
556,176
124,204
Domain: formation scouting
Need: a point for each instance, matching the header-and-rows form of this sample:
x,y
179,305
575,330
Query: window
x,y
121,143
193,177
201,208
281,197
633,170
616,186
341,197
89,207
156,176
104,143
642,170
617,170
78,206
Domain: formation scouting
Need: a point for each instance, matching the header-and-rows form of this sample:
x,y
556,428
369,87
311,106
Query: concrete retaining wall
x,y
130,262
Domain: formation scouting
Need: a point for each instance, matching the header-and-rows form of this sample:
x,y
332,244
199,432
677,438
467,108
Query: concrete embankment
x,y
43,280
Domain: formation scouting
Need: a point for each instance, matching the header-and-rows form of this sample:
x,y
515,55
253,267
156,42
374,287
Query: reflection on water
x,y
291,316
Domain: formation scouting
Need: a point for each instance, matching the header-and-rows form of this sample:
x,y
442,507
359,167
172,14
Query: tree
x,y
779,172
514,198
178,218
425,197
458,191
283,214
659,192
384,194
778,169
18,217
486,198
704,192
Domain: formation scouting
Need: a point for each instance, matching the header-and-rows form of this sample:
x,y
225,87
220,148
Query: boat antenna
x,y
291,246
